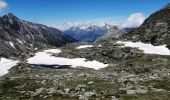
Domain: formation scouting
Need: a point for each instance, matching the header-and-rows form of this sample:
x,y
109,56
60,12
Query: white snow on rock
x,y
12,44
99,45
36,48
5,65
84,46
19,41
147,48
31,45
46,58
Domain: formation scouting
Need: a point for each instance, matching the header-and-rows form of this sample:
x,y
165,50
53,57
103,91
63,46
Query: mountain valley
x,y
42,63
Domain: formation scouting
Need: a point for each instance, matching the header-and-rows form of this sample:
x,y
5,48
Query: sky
x,y
54,12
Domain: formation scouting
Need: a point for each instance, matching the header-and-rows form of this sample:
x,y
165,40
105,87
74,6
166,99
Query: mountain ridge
x,y
18,36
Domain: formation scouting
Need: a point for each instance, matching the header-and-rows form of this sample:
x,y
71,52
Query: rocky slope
x,y
17,35
113,33
131,75
154,30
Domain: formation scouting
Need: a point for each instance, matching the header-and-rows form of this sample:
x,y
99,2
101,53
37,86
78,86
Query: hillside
x,y
18,36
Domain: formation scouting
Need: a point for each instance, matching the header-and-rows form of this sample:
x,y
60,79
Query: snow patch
x,y
43,27
36,48
147,48
46,58
53,51
12,44
5,65
99,45
19,41
84,46
31,45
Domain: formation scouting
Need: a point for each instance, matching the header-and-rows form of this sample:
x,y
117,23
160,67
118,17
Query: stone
x,y
52,90
39,91
131,91
82,97
90,83
66,90
141,91
159,90
80,87
43,82
114,98
89,94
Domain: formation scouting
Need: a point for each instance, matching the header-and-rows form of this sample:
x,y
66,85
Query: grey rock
x,y
80,87
43,82
90,83
83,97
39,91
114,98
89,94
113,33
131,91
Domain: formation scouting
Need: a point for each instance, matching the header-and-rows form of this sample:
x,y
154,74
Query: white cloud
x,y
3,4
99,22
134,20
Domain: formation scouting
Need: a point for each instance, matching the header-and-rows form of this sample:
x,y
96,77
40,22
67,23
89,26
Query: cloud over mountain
x,y
134,20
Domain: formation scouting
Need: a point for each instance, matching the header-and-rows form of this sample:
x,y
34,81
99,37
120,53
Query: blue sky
x,y
52,12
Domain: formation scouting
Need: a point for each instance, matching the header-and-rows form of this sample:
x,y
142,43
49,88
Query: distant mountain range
x,y
17,36
88,32
91,31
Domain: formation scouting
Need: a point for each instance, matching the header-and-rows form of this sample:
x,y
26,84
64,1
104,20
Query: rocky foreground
x,y
131,75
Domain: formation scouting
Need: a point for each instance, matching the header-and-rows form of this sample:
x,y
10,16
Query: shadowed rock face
x,y
17,35
154,30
